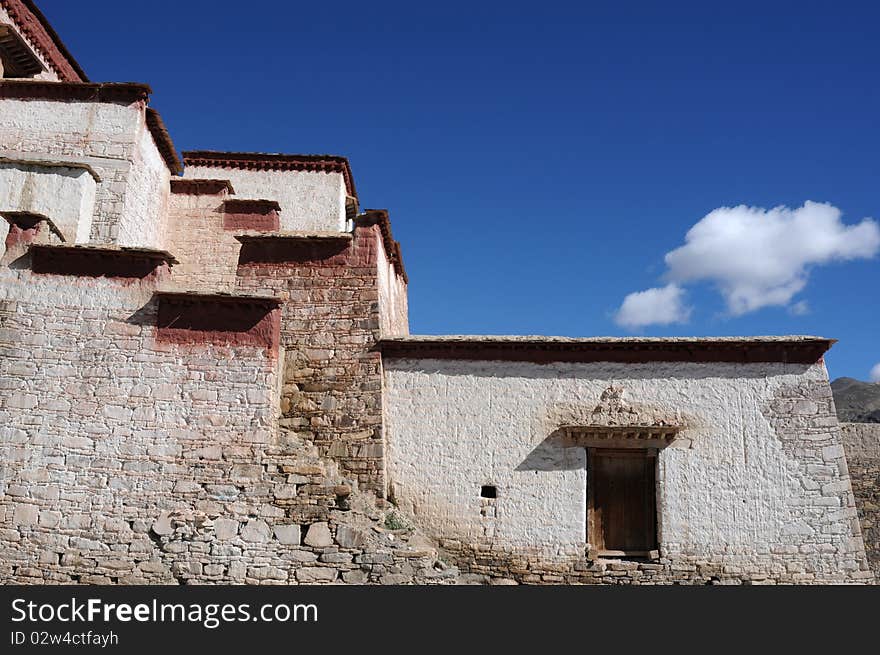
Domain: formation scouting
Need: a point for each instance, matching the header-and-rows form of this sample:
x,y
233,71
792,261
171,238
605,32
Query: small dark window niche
x,y
488,501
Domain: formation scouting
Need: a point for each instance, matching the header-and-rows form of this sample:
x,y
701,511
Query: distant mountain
x,y
856,401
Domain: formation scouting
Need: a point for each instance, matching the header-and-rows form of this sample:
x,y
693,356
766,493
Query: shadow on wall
x,y
555,453
146,315
270,251
197,318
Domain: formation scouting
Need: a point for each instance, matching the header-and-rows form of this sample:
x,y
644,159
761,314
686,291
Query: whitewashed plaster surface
x,y
393,306
727,488
101,410
112,141
50,126
65,195
144,214
310,200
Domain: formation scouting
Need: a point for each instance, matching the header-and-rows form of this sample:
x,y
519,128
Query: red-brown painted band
x,y
795,352
259,215
318,253
270,222
21,235
124,92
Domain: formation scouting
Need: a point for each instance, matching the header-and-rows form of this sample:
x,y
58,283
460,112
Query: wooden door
x,y
622,502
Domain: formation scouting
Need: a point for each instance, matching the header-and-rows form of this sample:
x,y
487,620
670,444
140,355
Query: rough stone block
x,y
225,528
318,535
288,534
256,531
25,515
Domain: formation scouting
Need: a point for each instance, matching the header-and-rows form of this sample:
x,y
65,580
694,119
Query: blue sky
x,y
540,159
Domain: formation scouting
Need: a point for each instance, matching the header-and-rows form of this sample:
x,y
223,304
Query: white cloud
x,y
800,308
760,257
874,375
661,306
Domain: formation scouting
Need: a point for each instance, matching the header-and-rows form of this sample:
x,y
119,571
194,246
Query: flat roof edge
x,y
784,349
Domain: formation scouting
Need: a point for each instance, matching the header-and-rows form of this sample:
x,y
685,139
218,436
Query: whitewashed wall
x,y
309,200
742,484
107,138
393,300
64,194
144,214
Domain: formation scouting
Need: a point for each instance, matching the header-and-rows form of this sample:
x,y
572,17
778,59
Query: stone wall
x,y
861,441
134,453
138,450
755,486
208,254
332,384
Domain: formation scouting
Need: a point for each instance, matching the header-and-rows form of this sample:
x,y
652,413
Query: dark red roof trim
x,y
125,92
163,141
624,351
244,206
34,25
97,261
195,186
379,217
272,162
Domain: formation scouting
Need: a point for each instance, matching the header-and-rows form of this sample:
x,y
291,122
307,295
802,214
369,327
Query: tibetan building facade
x,y
207,376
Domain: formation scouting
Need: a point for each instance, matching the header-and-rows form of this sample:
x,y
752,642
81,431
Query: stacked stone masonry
x,y
131,458
861,441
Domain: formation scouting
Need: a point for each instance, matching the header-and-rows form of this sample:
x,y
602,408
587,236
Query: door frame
x,y
592,522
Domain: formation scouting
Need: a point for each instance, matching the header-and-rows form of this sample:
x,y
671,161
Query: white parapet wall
x,y
393,300
55,135
756,478
309,200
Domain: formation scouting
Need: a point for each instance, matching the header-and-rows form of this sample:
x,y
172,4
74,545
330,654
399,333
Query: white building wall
x,y
64,194
735,486
100,136
144,214
393,300
310,200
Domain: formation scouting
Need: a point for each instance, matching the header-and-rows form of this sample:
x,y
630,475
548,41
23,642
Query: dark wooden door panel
x,y
622,506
